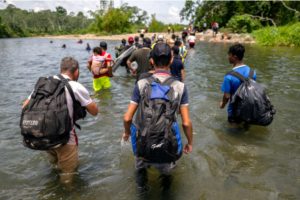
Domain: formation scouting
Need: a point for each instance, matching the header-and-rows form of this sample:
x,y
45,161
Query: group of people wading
x,y
50,113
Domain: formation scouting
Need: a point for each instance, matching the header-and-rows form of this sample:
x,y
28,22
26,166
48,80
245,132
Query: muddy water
x,y
258,163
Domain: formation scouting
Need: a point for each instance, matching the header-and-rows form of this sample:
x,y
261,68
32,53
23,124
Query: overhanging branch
x,y
263,18
289,8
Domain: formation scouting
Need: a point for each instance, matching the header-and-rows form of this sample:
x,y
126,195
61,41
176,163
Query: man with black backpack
x,y
49,116
248,100
155,134
231,83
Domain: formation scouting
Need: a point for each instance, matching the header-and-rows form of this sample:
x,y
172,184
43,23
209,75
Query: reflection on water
x,y
244,163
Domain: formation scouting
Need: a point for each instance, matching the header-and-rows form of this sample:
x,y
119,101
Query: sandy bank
x,y
207,36
100,37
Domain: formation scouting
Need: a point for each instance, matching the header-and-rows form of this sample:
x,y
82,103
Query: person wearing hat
x,y
161,56
160,39
130,41
141,56
102,80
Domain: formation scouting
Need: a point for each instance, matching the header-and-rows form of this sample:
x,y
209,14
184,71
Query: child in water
x,y
96,62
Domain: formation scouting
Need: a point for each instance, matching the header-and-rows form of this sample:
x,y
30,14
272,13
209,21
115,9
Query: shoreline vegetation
x,y
267,23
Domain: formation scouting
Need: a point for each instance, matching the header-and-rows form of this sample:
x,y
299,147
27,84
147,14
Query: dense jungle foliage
x,y
272,22
15,22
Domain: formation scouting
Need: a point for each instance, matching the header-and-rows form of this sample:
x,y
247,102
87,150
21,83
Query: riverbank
x,y
224,37
206,36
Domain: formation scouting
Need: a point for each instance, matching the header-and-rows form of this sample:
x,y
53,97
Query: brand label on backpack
x,y
30,123
155,146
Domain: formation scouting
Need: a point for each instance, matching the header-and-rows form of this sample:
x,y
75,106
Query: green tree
x,y
61,11
116,21
20,23
155,25
243,24
3,30
138,16
268,12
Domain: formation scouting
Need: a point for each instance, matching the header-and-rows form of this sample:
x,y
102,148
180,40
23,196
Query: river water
x,y
226,163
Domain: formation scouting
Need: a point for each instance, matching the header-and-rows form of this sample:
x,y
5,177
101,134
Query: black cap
x,y
103,45
147,42
136,38
161,49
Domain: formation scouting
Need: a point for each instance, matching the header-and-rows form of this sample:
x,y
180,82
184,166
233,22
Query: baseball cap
x,y
147,41
103,45
161,49
130,39
136,38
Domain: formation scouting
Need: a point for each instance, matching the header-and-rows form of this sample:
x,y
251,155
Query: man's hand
x,y
188,148
224,101
222,105
25,103
125,136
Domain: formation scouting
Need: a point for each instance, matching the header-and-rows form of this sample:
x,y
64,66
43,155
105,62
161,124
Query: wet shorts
x,y
163,168
65,157
192,44
101,83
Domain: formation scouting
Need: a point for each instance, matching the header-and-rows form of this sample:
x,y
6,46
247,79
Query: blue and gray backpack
x,y
155,133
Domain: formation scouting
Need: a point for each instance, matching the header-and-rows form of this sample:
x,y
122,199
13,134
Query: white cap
x,y
160,37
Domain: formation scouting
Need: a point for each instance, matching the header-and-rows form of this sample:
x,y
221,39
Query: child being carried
x,y
97,62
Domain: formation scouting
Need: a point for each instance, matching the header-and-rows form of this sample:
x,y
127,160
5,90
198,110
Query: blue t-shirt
x,y
231,83
176,68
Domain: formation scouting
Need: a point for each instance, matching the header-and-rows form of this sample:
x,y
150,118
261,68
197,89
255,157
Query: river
x,y
258,163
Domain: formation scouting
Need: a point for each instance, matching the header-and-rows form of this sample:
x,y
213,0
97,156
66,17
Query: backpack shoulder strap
x,y
66,82
238,75
251,74
152,79
169,81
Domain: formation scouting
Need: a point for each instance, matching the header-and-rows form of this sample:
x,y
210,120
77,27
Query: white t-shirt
x,y
191,39
82,95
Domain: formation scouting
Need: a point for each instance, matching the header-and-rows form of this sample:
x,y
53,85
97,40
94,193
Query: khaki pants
x,y
66,159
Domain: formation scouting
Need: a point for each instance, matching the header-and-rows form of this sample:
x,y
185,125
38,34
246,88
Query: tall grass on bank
x,y
288,35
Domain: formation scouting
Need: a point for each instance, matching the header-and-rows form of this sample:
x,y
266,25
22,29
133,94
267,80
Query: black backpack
x,y
250,102
45,121
157,140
